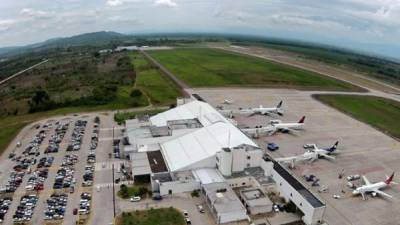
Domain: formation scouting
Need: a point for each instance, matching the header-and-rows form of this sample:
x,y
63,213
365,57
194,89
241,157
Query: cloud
x,y
36,14
166,3
114,2
6,24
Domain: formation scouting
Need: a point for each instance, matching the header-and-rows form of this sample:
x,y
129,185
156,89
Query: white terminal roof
x,y
196,109
198,148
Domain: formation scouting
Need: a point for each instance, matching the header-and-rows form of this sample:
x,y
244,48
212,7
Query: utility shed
x,y
223,202
255,201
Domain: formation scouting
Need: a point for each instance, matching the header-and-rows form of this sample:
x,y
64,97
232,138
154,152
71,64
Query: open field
x,y
363,150
382,69
200,67
307,63
162,216
71,80
157,87
381,113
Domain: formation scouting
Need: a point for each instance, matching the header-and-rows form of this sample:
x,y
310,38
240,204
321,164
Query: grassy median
x,y
162,216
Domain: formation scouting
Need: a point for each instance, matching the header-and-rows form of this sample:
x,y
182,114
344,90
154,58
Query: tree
x,y
40,97
136,93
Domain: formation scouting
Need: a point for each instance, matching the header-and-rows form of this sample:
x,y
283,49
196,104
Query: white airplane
x,y
263,111
258,131
277,125
273,127
227,101
309,156
328,151
373,188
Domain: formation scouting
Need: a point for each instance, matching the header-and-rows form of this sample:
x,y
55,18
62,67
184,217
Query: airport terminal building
x,y
194,147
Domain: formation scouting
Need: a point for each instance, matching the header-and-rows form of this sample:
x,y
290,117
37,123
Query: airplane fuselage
x,y
370,188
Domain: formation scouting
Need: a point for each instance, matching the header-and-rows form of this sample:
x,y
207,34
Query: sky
x,y
364,25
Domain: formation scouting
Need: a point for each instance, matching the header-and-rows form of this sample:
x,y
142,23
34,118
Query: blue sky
x,y
366,25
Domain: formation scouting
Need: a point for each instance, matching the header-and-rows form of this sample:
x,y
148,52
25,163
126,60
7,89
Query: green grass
x,y
381,113
162,216
121,117
158,88
382,69
200,67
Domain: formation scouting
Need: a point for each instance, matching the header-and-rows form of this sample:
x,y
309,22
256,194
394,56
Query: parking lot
x,y
51,164
363,150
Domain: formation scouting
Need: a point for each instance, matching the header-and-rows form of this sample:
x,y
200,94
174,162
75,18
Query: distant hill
x,y
92,39
96,38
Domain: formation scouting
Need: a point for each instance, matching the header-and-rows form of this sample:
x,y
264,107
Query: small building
x,y
224,204
255,201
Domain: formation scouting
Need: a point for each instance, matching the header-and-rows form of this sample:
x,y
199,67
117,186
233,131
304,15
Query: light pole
x,y
113,188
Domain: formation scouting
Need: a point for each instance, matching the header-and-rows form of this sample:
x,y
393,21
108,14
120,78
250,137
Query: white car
x,y
29,187
135,199
185,213
336,196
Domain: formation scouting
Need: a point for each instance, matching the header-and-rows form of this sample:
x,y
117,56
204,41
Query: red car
x,y
75,211
39,187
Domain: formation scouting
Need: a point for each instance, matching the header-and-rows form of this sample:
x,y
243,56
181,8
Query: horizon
x,y
361,26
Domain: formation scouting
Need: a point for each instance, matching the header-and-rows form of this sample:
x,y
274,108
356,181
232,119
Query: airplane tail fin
x,y
279,104
302,119
334,147
389,179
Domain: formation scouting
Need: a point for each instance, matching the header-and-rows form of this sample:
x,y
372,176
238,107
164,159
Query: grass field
x,y
381,113
385,70
162,216
157,87
201,67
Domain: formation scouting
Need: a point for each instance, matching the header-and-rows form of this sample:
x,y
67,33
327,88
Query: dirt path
x,y
21,72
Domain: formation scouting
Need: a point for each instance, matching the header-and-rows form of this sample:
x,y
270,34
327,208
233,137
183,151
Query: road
x,y
21,72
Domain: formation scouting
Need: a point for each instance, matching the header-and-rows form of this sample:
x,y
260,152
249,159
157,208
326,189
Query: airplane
x,y
227,101
273,127
263,111
328,151
373,188
277,125
309,156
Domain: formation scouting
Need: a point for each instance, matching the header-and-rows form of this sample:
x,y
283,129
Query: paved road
x,y
21,72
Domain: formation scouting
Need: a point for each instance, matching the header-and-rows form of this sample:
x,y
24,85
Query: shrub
x,y
195,193
136,93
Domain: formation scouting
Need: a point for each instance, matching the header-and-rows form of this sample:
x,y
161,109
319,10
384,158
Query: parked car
x,y
272,146
135,199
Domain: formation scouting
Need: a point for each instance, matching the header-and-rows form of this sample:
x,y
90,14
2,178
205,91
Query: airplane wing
x,y
252,114
383,193
366,181
326,156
